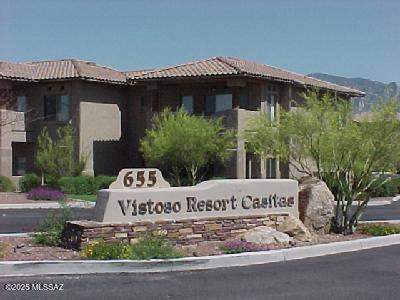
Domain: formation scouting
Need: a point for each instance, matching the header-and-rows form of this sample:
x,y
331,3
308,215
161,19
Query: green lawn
x,y
91,198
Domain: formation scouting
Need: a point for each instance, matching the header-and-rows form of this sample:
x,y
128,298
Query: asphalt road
x,y
27,220
382,212
370,274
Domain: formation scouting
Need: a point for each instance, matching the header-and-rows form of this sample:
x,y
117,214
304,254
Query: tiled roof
x,y
60,69
215,66
222,66
16,70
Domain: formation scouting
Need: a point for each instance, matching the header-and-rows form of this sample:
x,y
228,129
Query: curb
x,y
22,234
380,221
379,202
82,204
397,198
59,267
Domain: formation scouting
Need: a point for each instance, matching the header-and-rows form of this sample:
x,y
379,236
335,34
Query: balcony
x,y
235,118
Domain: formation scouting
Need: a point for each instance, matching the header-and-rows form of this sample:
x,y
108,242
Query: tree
x,y
54,158
185,145
320,138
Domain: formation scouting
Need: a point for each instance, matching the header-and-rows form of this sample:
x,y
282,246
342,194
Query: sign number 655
x,y
140,179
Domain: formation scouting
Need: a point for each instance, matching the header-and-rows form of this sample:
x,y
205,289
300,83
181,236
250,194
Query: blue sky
x,y
349,38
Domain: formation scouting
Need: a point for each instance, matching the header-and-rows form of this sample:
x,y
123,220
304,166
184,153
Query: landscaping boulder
x,y
296,229
316,205
265,235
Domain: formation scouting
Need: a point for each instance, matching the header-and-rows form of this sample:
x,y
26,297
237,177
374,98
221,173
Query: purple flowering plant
x,y
238,246
45,193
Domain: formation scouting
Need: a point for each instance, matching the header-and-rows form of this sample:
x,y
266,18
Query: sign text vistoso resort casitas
x,y
128,201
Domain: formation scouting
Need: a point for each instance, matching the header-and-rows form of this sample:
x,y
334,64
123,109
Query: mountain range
x,y
375,90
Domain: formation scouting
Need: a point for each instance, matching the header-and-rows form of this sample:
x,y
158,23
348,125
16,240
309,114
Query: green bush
x,y
103,182
154,246
28,182
50,230
380,229
6,185
396,182
77,185
84,185
388,189
101,250
149,247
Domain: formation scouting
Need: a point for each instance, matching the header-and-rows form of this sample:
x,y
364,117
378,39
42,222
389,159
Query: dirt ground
x,y
23,248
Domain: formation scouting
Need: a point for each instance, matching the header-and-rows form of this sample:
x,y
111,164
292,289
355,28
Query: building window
x,y
20,166
22,156
21,103
188,104
217,103
145,103
271,107
243,101
271,168
56,108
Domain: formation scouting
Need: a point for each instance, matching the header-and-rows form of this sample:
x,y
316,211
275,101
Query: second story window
x,y
217,103
272,101
21,103
271,107
188,104
145,103
56,108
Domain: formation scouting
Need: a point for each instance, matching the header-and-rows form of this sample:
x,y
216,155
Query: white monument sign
x,y
209,199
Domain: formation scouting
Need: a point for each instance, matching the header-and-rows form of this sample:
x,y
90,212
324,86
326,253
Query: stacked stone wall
x,y
181,233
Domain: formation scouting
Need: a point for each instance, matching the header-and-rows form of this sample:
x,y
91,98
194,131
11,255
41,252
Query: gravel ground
x,y
23,248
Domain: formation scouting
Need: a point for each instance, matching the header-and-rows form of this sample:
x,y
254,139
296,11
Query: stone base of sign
x,y
181,233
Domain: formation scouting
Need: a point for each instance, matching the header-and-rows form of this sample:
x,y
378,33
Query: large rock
x,y
316,205
296,229
266,235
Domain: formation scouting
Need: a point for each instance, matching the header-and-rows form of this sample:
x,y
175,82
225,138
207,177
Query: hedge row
x,y
84,185
80,185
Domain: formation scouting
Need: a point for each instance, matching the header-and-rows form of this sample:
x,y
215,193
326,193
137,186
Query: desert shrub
x,y
45,193
6,185
50,230
84,185
66,185
101,250
239,246
55,155
149,247
396,182
387,189
321,139
380,229
77,185
185,145
28,182
103,182
154,246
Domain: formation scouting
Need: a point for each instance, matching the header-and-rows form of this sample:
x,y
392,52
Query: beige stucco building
x,y
110,110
